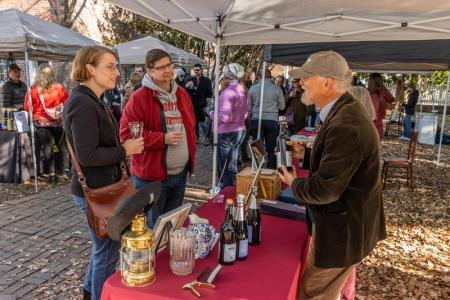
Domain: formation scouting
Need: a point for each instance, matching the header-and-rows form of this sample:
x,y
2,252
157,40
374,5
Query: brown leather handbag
x,y
102,202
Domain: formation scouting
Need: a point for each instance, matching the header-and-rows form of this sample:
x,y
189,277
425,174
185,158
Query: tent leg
x,y
30,106
216,116
443,117
263,77
209,59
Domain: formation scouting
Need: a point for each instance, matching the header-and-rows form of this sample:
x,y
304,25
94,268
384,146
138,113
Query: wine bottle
x,y
5,119
10,120
227,250
284,156
254,219
241,230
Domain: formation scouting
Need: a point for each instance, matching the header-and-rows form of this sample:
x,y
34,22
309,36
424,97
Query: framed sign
x,y
173,219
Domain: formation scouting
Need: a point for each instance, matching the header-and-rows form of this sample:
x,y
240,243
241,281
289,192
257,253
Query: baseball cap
x,y
325,64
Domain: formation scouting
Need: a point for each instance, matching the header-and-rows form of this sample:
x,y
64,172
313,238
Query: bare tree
x,y
67,13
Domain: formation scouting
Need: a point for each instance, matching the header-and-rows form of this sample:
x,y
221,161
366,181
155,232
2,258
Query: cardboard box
x,y
269,185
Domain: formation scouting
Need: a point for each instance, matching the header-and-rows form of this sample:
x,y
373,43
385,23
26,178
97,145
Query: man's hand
x,y
173,138
298,150
285,176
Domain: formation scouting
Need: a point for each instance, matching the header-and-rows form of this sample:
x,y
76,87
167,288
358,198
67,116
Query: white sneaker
x,y
402,137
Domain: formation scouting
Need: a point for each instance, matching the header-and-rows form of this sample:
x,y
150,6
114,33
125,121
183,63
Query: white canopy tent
x,y
237,22
28,37
133,52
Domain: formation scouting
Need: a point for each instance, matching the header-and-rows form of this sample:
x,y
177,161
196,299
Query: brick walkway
x,y
44,242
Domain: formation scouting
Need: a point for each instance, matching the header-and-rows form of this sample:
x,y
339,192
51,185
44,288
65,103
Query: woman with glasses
x,y
92,132
169,133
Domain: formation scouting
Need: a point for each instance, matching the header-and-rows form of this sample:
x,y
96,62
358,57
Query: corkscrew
x,y
204,280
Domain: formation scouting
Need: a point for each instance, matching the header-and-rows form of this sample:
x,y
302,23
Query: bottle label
x,y
250,232
288,159
229,252
243,248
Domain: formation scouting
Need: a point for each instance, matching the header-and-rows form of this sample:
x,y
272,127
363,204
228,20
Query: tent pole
x,y
263,77
443,117
209,59
216,115
30,108
432,95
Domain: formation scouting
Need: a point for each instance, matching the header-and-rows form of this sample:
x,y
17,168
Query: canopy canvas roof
x,y
391,56
43,40
133,52
289,21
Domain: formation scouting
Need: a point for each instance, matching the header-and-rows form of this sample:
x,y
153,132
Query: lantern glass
x,y
137,264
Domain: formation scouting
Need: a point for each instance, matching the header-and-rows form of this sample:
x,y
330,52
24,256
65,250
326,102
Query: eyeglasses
x,y
197,70
163,68
112,68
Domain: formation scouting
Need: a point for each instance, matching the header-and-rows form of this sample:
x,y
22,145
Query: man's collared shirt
x,y
326,109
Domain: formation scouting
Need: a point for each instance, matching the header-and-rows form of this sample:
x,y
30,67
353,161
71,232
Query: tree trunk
x,y
66,14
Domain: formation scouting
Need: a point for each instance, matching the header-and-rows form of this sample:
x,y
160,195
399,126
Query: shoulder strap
x,y
80,174
113,123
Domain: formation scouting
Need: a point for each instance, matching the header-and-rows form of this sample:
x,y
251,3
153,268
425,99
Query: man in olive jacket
x,y
345,213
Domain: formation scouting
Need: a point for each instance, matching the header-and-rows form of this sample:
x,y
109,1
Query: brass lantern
x,y
137,254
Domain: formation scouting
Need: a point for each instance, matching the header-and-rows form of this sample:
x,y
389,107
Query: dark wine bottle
x,y
227,250
241,230
254,219
284,155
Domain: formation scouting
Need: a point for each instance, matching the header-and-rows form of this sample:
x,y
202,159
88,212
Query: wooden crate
x,y
269,186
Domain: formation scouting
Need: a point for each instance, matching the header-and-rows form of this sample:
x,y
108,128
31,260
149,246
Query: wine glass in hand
x,y
136,129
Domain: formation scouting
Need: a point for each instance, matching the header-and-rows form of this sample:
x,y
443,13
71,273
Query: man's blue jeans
x,y
104,257
228,155
407,128
172,194
269,134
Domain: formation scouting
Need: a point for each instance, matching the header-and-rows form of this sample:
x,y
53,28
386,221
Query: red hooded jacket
x,y
52,97
145,106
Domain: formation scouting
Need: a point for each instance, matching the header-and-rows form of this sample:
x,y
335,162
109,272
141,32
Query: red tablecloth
x,y
271,270
307,133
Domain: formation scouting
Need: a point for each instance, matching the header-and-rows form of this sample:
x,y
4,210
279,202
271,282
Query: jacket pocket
x,y
332,239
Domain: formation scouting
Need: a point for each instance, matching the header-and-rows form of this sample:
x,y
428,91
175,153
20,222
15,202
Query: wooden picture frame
x,y
173,219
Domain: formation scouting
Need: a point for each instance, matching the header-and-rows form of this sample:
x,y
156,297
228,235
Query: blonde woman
x,y
48,99
135,78
362,95
381,98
